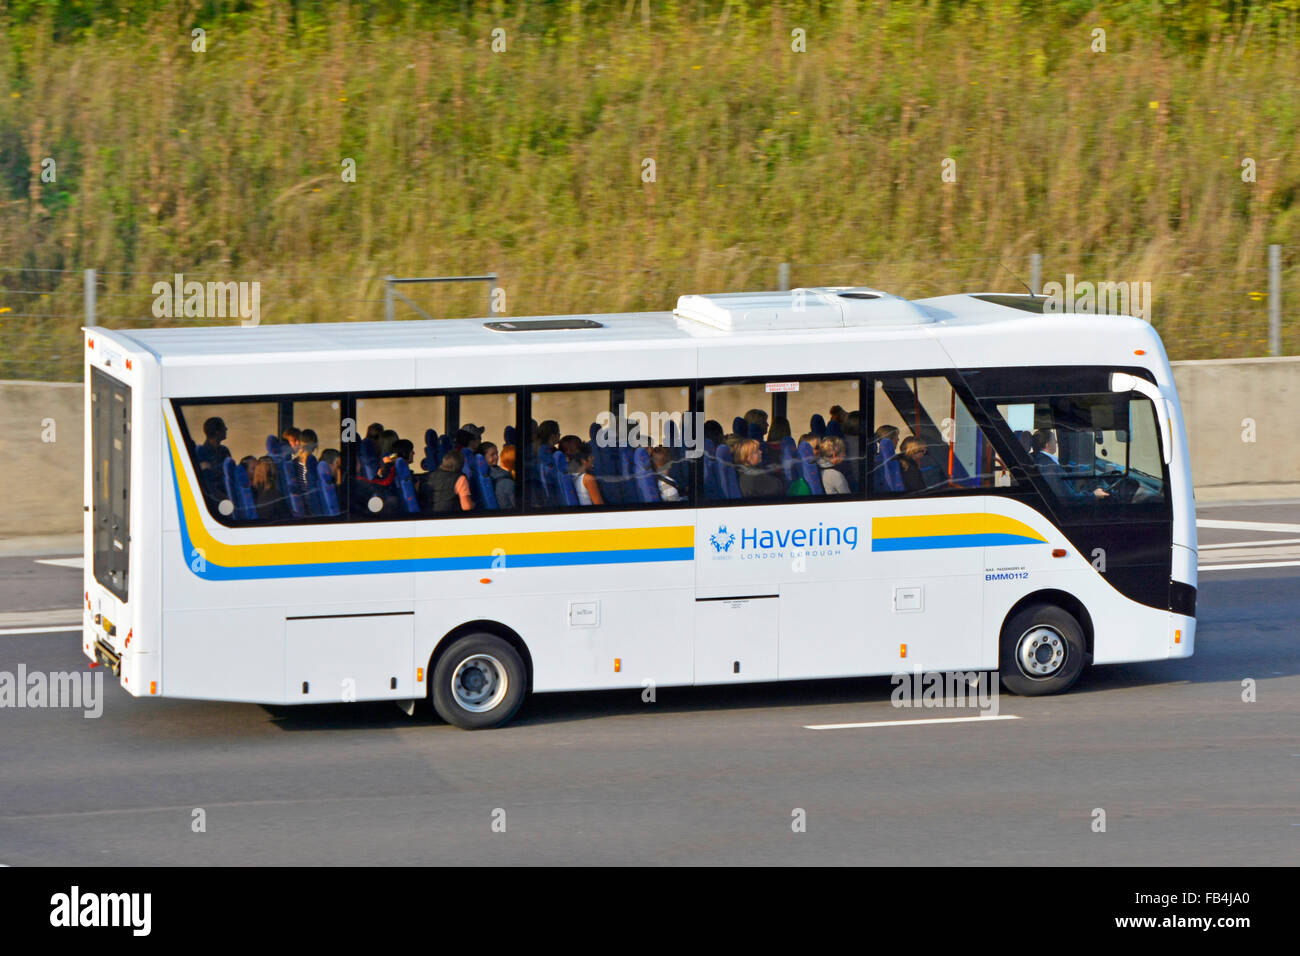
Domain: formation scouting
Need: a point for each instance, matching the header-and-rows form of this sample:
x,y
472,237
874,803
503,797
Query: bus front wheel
x,y
479,682
1043,651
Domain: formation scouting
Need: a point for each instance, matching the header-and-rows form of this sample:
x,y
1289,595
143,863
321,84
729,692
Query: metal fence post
x,y
1036,273
90,297
388,298
783,277
1274,300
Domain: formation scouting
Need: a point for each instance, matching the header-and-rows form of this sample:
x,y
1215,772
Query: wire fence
x,y
1201,311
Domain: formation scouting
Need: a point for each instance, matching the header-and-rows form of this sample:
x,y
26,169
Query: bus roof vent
x,y
820,308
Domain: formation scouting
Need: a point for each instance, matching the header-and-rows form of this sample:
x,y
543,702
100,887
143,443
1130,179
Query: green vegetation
x,y
1123,165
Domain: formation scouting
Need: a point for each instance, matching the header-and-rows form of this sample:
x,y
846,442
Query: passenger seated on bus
x,y
584,478
334,459
755,416
1045,450
293,438
837,414
468,438
210,457
1026,440
446,489
571,445
384,443
503,483
756,481
910,454
248,462
548,435
267,497
713,432
661,459
509,457
813,442
888,431
830,455
306,449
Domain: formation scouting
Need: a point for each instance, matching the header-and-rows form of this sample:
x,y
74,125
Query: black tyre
x,y
1043,651
479,682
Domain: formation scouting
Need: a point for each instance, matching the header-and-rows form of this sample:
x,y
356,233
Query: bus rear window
x,y
110,437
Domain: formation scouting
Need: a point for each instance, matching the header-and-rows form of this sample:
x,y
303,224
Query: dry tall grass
x,y
1123,165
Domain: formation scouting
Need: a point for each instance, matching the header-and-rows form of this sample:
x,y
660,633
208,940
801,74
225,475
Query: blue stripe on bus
x,y
927,542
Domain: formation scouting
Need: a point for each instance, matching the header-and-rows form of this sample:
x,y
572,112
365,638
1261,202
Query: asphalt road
x,y
1185,770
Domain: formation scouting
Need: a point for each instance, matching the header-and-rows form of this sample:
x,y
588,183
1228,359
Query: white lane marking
x,y
1245,525
14,631
1247,544
70,616
904,723
79,563
1242,567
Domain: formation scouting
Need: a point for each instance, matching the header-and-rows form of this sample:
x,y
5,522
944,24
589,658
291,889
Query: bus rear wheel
x,y
1042,652
479,682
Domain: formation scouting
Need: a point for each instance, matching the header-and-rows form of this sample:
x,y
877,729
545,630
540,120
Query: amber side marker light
x,y
484,580
902,650
1139,351
419,675
153,687
1178,637
618,664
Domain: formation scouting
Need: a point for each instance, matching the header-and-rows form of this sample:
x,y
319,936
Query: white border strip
x,y
906,723
14,632
1241,567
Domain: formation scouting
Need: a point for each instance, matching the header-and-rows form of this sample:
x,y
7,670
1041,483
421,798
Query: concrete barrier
x,y
1240,413
1241,426
41,452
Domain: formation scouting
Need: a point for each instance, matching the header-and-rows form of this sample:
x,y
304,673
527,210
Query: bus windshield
x,y
1091,452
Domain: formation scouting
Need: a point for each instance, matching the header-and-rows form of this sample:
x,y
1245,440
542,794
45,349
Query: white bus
x,y
754,487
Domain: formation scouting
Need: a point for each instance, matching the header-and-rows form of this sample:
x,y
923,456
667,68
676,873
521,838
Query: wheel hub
x,y
1041,651
479,683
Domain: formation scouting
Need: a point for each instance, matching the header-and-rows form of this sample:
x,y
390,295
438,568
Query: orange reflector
x,y
419,675
153,687
1139,351
92,343
484,580
902,650
126,680
618,664
1178,637
128,365
1058,552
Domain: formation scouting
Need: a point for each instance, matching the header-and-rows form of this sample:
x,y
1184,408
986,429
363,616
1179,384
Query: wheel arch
x,y
1062,599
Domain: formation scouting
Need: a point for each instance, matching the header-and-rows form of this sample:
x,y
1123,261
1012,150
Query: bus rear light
x,y
902,650
1058,552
